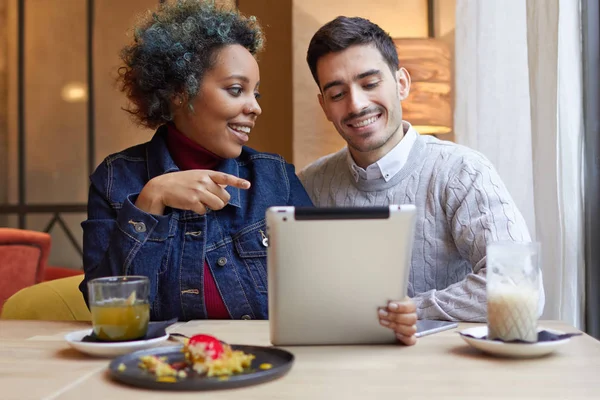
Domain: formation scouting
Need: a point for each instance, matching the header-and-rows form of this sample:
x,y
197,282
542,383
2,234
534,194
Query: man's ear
x,y
322,103
403,80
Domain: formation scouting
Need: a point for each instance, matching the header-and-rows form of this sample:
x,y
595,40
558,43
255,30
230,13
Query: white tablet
x,y
330,269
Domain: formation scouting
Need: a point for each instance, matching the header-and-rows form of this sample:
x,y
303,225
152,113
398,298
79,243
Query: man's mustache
x,y
367,111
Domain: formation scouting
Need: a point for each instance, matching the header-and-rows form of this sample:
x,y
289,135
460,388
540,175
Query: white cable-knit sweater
x,y
462,205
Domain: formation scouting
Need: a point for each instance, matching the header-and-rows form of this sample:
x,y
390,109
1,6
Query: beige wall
x,y
11,106
56,130
445,18
55,172
115,129
314,136
3,104
274,129
227,3
445,21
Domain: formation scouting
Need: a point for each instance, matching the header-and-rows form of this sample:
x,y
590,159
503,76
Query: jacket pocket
x,y
249,244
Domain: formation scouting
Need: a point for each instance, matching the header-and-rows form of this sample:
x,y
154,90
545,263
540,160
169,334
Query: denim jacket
x,y
170,249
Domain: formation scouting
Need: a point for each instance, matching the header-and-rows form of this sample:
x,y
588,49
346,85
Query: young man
x,y
461,201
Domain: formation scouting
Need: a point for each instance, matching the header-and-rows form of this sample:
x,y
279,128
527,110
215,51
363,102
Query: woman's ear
x,y
177,101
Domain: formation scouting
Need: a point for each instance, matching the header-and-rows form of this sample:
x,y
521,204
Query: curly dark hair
x,y
173,48
343,32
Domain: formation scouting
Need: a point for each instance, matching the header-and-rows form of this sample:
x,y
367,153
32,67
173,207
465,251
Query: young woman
x,y
187,209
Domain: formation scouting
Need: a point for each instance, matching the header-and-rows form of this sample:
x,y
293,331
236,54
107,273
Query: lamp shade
x,y
428,106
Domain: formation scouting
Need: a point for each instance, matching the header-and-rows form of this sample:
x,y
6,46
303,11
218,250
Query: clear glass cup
x,y
513,290
119,307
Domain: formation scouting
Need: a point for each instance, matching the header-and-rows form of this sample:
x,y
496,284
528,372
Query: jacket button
x,y
246,317
222,261
139,226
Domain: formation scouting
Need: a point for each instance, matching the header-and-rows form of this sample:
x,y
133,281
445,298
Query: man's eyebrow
x,y
370,72
331,84
362,75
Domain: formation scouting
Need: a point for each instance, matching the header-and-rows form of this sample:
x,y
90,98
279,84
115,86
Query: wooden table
x,y
35,363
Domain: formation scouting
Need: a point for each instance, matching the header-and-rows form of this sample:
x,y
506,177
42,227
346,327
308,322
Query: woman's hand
x,y
401,317
194,190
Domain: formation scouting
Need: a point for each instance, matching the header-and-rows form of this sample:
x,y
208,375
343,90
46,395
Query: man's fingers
x,y
402,323
407,340
221,178
400,329
405,324
404,306
399,318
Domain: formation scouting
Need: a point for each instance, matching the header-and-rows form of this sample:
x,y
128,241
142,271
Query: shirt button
x,y
139,227
222,261
246,317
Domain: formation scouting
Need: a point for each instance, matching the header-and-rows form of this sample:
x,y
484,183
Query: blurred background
x,y
62,115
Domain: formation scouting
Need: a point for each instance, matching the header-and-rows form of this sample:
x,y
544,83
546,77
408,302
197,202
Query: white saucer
x,y
108,349
515,350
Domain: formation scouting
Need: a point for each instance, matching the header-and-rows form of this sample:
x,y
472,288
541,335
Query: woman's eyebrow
x,y
240,77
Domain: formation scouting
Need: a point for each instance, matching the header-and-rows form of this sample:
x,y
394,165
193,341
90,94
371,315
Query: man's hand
x,y
401,317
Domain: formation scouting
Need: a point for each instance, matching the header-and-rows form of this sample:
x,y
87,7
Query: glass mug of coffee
x,y
513,290
119,307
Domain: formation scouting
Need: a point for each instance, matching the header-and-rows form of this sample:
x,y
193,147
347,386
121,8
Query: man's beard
x,y
368,144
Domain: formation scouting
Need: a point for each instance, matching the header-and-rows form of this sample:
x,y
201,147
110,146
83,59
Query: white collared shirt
x,y
391,163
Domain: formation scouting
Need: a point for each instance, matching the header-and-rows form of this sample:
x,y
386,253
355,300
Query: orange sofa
x,y
23,261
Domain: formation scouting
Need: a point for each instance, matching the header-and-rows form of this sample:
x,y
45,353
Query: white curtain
x,y
518,85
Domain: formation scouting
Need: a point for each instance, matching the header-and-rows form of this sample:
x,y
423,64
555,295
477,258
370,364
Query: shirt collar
x,y
391,163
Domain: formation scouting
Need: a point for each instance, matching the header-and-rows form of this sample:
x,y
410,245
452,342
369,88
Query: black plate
x,y
280,360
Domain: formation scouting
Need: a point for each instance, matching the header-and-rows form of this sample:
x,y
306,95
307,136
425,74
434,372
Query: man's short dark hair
x,y
344,32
